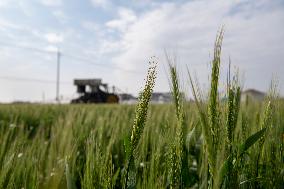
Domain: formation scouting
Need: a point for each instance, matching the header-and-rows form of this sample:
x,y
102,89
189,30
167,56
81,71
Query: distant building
x,y
161,98
252,94
127,98
156,98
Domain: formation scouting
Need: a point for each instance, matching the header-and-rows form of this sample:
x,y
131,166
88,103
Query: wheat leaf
x,y
251,140
127,146
69,179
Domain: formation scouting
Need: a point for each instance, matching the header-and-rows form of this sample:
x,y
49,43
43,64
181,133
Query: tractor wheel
x,y
112,99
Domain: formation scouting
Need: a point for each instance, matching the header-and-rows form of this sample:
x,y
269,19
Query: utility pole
x,y
58,76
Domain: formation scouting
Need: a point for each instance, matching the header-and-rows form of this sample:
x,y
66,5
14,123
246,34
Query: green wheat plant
x,y
218,122
177,151
210,119
139,123
179,174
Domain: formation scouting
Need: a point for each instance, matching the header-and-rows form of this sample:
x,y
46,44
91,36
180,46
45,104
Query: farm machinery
x,y
93,91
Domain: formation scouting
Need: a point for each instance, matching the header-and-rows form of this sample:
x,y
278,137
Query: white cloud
x,y
126,17
52,3
60,15
91,26
101,3
51,48
6,24
251,39
53,38
27,8
3,3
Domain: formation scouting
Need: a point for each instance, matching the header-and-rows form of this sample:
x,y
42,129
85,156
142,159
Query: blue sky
x,y
114,40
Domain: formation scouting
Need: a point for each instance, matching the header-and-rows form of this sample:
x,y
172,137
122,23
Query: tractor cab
x,y
93,91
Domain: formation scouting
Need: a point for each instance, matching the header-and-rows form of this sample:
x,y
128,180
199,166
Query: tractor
x,y
93,91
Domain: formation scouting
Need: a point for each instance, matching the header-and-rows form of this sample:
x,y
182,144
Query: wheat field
x,y
208,143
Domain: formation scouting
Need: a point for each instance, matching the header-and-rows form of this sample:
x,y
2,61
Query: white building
x,y
252,94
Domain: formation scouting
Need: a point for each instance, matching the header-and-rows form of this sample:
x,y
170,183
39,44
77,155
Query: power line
x,y
26,48
79,58
36,80
91,62
59,54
